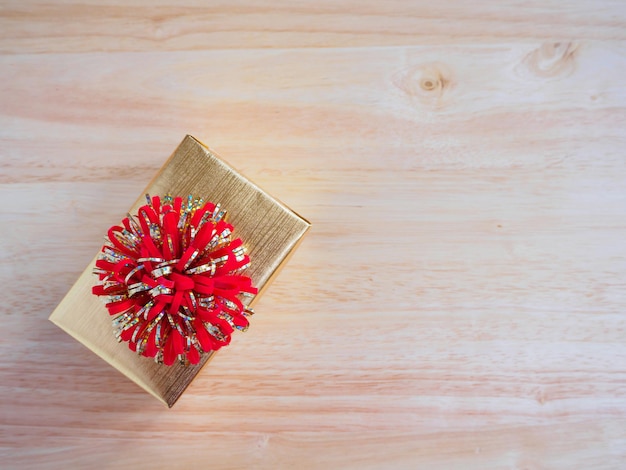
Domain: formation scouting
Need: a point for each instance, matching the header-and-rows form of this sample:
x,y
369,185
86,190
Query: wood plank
x,y
42,26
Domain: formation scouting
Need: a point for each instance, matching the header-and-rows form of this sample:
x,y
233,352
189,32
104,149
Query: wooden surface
x,y
459,302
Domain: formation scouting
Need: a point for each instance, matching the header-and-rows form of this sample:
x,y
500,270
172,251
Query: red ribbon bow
x,y
171,276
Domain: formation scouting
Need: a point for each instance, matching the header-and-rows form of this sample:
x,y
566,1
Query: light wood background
x,y
459,302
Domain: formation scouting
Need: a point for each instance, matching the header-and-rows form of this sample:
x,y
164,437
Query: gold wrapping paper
x,y
270,232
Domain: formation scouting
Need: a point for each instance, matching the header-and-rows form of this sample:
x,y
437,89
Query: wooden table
x,y
460,300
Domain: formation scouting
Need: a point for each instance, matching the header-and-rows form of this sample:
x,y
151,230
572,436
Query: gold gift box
x,y
270,232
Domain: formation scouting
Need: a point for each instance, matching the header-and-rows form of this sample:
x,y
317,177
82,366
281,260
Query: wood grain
x,y
44,26
459,302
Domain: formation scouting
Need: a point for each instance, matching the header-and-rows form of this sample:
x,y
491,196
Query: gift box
x,y
270,232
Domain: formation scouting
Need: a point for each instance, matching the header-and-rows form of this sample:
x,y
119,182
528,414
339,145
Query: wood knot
x,y
541,397
557,59
428,83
